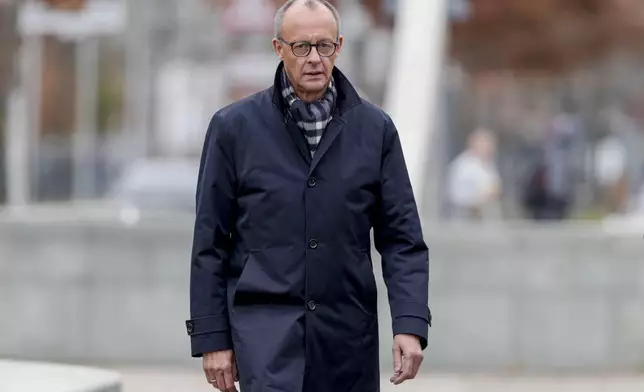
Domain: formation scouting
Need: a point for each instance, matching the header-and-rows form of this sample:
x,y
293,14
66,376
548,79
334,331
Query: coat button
x,y
311,305
190,327
313,244
311,181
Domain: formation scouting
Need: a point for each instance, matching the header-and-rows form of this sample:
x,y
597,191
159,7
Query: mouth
x,y
314,74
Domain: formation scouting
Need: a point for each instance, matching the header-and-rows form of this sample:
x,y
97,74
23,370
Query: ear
x,y
340,42
278,48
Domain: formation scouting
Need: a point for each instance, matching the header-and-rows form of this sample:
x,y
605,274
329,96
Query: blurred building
x,y
516,65
511,66
150,89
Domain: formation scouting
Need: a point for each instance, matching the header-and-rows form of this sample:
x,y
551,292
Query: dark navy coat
x,y
281,266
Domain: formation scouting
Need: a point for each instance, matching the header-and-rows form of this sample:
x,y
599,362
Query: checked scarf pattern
x,y
311,117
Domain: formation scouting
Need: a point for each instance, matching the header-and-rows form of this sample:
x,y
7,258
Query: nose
x,y
314,56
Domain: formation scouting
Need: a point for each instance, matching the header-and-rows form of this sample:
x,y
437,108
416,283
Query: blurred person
x,y
610,173
627,129
473,180
292,180
639,203
534,193
550,189
562,153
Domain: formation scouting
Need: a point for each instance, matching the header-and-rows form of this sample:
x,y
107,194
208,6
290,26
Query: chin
x,y
314,87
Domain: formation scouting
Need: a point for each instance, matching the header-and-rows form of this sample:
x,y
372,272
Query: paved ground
x,y
174,380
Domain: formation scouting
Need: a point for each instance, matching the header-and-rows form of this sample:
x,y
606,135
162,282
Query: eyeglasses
x,y
325,48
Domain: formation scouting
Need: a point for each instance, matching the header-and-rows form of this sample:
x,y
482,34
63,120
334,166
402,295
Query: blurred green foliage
x,y
111,94
110,101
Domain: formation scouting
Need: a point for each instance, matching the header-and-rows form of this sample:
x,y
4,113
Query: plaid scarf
x,y
310,117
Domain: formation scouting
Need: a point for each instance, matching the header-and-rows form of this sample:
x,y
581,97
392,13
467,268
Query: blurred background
x,y
525,142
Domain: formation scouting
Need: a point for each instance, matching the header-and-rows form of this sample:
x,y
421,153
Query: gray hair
x,y
279,16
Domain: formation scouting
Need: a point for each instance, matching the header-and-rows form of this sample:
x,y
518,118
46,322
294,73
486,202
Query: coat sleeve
x,y
209,327
399,240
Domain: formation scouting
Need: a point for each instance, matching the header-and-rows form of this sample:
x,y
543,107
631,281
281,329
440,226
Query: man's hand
x,y
221,370
407,358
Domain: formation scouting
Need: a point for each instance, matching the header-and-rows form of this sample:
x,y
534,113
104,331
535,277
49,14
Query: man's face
x,y
310,74
484,146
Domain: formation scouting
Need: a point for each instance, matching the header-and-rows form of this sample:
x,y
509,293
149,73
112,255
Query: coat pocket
x,y
243,287
369,298
263,283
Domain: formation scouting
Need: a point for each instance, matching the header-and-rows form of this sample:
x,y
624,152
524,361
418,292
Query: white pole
x,y
17,150
23,124
414,84
138,77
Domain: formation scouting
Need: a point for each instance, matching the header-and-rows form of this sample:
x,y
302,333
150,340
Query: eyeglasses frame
x,y
311,46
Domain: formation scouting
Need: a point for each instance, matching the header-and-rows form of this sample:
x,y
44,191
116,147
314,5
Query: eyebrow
x,y
311,40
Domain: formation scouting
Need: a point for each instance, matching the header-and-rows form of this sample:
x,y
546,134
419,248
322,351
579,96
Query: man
x,y
473,181
292,179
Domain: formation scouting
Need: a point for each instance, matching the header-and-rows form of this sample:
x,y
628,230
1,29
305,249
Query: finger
x,y
212,379
415,360
229,382
221,381
397,353
403,375
209,373
418,360
407,369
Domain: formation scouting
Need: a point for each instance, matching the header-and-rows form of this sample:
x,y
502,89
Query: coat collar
x,y
347,95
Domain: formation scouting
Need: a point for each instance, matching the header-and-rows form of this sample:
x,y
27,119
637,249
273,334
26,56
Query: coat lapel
x,y
331,132
300,140
347,98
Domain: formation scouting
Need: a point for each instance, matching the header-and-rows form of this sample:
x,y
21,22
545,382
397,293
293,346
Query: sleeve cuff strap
x,y
207,325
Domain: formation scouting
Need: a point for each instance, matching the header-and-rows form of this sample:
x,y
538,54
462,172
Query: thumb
x,y
397,358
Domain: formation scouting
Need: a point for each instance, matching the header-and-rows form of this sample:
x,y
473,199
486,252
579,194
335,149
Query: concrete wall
x,y
537,299
17,376
504,299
